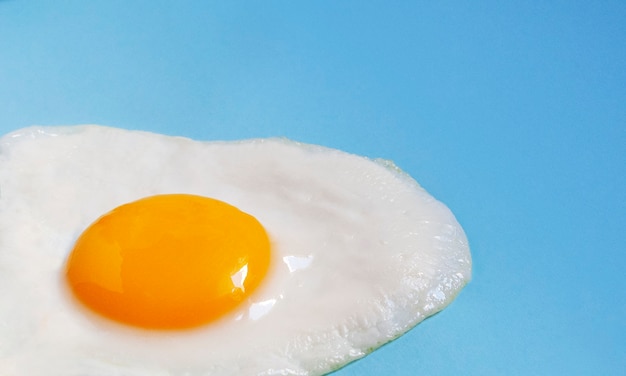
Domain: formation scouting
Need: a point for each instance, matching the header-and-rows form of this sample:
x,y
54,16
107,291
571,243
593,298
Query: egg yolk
x,y
169,261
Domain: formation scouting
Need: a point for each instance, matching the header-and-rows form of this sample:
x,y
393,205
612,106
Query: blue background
x,y
512,113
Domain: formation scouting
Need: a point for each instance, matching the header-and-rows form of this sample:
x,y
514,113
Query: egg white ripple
x,y
361,253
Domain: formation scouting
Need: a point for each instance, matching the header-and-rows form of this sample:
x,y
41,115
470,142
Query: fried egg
x,y
131,253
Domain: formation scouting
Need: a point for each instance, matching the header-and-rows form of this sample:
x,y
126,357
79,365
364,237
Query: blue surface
x,y
512,114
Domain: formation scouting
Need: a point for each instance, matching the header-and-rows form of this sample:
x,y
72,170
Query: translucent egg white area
x,y
360,253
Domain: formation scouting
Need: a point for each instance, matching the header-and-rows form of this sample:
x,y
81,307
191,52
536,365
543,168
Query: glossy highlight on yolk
x,y
170,261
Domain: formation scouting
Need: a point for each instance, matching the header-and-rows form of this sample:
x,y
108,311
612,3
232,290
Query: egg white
x,y
360,253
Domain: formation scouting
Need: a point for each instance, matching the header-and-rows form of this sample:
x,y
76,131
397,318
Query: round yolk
x,y
169,261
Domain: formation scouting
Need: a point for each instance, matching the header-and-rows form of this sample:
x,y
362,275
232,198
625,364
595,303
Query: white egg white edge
x,y
39,131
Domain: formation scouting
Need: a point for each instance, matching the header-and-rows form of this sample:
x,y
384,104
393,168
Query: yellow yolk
x,y
169,261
